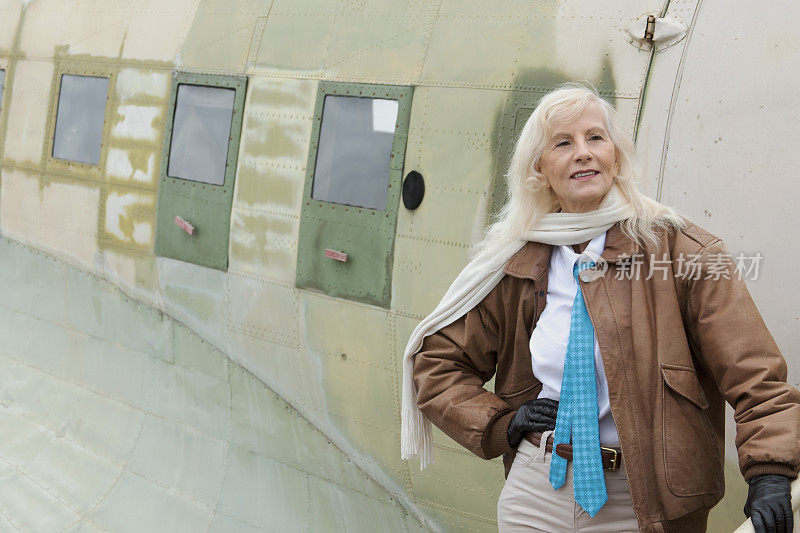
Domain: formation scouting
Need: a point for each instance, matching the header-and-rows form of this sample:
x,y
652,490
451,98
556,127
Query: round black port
x,y
413,190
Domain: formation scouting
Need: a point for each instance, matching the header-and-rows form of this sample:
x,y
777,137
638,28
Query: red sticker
x,y
333,254
185,226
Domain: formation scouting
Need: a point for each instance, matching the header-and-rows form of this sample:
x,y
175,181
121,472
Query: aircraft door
x,y
352,190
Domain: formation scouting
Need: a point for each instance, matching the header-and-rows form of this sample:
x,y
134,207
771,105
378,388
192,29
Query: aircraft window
x,y
355,145
200,133
80,117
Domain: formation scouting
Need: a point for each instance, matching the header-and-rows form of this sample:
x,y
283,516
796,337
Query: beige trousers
x,y
528,502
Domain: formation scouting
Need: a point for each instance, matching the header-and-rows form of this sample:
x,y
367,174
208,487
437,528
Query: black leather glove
x,y
769,504
533,415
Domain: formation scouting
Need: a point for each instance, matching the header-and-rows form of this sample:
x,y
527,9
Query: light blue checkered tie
x,y
577,412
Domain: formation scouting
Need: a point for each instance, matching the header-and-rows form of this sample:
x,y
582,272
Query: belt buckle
x,y
614,459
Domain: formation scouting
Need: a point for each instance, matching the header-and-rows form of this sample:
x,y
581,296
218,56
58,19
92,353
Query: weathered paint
x,y
134,85
268,184
26,105
277,139
220,36
10,34
476,66
135,271
137,122
112,402
108,29
131,166
120,217
9,25
56,213
271,173
266,240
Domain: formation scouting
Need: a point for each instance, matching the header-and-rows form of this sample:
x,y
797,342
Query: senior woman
x,y
616,329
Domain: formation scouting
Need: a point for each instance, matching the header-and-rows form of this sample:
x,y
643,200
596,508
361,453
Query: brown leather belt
x,y
612,456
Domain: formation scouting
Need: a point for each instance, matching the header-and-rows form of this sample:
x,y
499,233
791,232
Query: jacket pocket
x,y
516,398
683,382
526,390
692,462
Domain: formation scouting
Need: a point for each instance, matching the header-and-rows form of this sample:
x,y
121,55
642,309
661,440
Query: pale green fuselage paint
x,y
263,393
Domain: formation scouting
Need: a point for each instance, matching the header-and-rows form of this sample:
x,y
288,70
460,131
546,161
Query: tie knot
x,y
580,267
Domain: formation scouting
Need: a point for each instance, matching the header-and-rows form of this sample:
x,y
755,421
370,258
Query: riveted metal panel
x,y
205,206
2,85
517,113
365,235
4,97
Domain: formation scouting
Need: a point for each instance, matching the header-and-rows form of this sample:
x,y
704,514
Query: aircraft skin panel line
x,y
131,376
108,435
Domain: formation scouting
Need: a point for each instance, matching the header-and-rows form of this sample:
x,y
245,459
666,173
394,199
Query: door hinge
x,y
659,32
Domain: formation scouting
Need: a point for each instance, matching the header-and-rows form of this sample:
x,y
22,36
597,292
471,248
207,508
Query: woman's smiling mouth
x,y
584,174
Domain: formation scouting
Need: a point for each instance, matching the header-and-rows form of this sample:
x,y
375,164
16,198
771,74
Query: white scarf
x,y
472,285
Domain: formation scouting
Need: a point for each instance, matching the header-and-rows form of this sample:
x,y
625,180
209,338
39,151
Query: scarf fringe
x,y
417,435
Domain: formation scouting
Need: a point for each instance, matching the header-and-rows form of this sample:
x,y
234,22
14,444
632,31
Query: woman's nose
x,y
581,152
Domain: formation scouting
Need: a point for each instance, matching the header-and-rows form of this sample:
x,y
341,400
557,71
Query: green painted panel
x,y
513,121
365,235
205,206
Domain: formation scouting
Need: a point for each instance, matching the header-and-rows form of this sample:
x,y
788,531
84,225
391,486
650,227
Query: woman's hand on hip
x,y
534,415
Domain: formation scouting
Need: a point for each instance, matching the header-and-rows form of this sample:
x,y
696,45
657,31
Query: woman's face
x,y
579,161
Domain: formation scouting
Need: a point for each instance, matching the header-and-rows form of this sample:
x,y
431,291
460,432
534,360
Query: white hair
x,y
527,194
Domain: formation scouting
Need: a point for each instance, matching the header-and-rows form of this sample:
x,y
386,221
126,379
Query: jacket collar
x,y
533,260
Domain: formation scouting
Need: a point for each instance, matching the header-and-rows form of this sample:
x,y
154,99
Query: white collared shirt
x,y
550,336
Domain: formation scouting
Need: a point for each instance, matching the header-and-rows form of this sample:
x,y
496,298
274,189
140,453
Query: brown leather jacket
x,y
675,347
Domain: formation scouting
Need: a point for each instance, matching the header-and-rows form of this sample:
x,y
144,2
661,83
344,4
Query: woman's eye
x,y
595,137
562,143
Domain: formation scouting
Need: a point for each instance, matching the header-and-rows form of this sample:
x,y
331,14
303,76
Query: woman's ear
x,y
538,168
